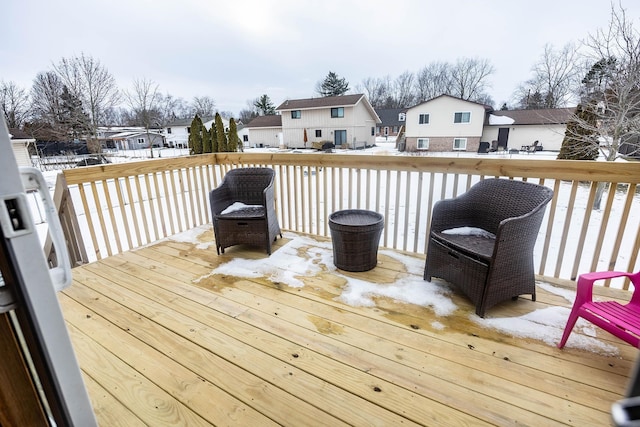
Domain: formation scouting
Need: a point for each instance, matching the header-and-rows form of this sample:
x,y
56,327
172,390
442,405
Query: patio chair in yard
x,y
493,263
243,209
621,320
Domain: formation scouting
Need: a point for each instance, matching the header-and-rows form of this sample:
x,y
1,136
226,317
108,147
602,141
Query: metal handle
x,y
33,180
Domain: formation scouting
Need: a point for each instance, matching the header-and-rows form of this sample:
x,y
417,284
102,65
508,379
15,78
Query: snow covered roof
x,y
548,116
500,120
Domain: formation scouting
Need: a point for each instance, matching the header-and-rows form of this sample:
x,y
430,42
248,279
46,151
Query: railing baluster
x,y
304,206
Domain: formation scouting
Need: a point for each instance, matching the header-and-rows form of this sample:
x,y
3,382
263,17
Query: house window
x,y
402,117
373,131
296,114
423,143
140,140
337,112
188,129
460,144
463,117
424,119
318,133
245,138
168,130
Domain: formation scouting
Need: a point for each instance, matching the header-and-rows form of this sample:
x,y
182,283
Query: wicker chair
x,y
255,223
497,266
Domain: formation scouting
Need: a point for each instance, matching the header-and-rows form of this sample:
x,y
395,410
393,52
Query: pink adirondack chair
x,y
621,320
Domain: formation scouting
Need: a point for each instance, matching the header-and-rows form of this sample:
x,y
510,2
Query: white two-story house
x,y
348,121
445,123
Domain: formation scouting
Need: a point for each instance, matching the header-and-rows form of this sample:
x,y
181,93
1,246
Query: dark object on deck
x,y
531,148
256,224
328,147
490,269
484,147
355,235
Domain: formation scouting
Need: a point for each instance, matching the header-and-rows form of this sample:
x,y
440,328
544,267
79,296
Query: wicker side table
x,y
355,234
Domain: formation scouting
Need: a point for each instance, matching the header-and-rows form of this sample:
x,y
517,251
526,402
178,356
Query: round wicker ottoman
x,y
355,234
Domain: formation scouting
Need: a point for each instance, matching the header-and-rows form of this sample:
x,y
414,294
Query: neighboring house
x,y
243,134
105,133
516,128
348,121
137,140
177,132
445,123
264,131
392,119
20,143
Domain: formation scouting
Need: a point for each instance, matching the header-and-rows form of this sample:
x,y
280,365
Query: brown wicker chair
x,y
256,224
488,270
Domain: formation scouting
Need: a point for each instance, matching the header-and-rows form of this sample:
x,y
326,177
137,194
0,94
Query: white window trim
x,y
418,143
459,148
461,112
428,118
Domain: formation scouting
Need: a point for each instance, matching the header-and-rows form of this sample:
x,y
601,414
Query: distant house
x,y
105,133
136,140
517,128
445,123
264,131
391,120
177,132
20,144
348,121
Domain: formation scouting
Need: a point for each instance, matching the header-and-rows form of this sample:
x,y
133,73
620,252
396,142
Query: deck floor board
x,y
163,341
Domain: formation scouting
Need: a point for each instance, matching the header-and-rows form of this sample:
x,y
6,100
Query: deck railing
x,y
123,206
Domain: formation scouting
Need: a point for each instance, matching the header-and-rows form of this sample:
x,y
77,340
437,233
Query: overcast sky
x,y
237,50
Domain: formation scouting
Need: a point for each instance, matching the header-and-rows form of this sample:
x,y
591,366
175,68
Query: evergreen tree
x,y
234,141
332,85
72,115
221,136
213,136
206,140
195,135
580,142
264,106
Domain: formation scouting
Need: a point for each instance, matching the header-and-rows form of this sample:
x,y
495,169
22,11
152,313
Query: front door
x,y
35,350
340,138
503,137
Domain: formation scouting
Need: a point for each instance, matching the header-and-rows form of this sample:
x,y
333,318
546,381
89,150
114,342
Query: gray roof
x,y
187,122
389,116
272,120
547,116
323,102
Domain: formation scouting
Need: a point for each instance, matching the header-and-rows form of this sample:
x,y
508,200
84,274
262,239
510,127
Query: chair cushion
x,y
244,213
476,246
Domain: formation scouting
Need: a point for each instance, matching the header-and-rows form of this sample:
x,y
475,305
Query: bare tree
x,y
377,90
433,80
469,78
617,99
145,101
88,80
556,78
14,102
171,108
204,106
46,107
403,90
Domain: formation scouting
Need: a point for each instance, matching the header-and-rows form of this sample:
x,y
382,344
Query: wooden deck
x,y
157,347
